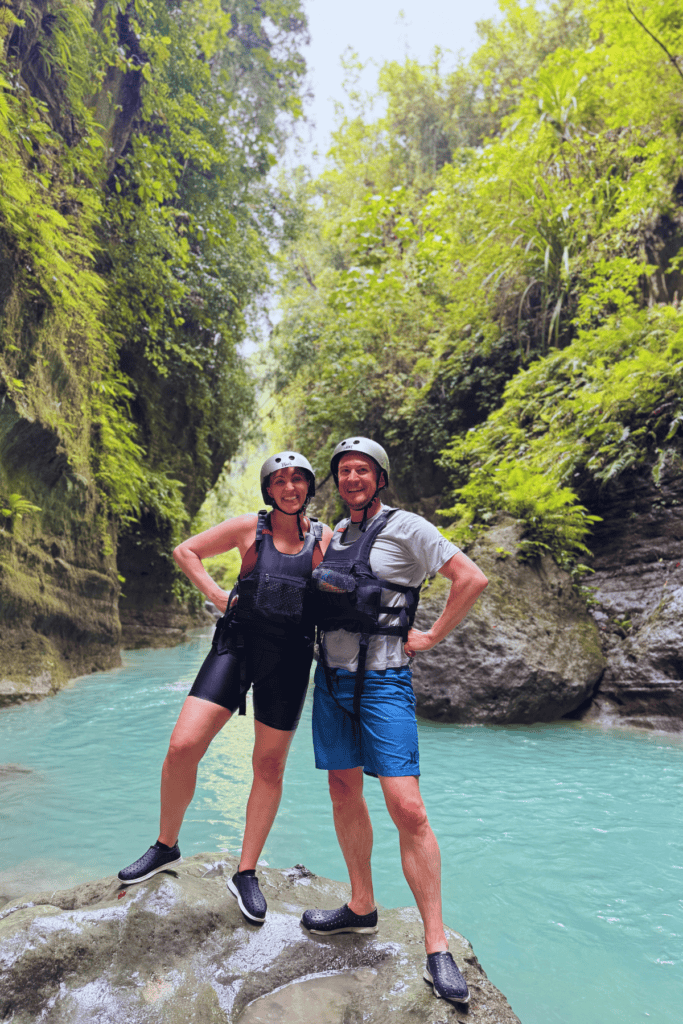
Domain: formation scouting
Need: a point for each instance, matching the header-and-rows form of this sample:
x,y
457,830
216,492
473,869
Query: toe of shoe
x,y
447,981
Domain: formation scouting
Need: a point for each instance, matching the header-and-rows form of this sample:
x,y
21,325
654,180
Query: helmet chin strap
x,y
297,514
364,520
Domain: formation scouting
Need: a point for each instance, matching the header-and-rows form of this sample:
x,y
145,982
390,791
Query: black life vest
x,y
275,595
349,597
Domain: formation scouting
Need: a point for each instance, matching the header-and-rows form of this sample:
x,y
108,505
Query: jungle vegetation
x,y
486,277
137,224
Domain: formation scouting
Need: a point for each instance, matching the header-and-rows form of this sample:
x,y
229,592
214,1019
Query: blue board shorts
x,y
386,743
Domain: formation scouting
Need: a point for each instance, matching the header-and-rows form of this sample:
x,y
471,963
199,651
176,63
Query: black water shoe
x,y
443,974
251,901
158,858
333,922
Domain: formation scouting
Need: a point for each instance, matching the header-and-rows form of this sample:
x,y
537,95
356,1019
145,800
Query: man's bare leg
x,y
354,832
420,856
271,747
198,723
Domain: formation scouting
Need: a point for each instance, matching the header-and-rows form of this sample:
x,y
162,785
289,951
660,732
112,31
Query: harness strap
x,y
401,588
260,527
359,683
243,679
355,718
237,635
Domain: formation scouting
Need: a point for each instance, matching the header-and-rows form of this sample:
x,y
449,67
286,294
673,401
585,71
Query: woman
x,y
265,637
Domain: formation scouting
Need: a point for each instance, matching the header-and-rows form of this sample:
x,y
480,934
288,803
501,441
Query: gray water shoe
x,y
443,974
333,922
158,858
251,901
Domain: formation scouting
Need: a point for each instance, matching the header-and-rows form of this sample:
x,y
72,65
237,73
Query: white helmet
x,y
282,460
365,446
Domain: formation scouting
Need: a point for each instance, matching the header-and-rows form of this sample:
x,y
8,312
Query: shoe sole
x,y
250,917
463,1002
342,931
154,871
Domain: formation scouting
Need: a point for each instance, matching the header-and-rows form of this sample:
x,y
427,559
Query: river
x,y
562,844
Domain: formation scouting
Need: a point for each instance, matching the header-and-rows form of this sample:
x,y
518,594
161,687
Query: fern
x,y
15,506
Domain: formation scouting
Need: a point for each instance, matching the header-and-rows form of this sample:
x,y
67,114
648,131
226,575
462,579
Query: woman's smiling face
x,y
288,487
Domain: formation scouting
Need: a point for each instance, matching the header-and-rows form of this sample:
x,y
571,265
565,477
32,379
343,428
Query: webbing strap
x,y
328,680
402,588
237,635
359,684
260,527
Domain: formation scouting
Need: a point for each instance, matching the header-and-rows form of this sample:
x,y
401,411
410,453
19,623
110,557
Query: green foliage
x,y
553,519
611,400
475,268
15,506
136,227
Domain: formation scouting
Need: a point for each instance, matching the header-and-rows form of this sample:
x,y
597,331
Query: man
x,y
364,707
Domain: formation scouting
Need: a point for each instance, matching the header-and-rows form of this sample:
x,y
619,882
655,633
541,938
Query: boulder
x,y
527,652
176,949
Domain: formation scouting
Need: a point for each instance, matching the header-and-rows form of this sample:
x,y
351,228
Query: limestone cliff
x,y
59,583
136,227
535,649
637,590
58,580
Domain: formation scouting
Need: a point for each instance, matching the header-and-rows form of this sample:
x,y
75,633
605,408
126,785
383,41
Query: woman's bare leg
x,y
271,747
197,724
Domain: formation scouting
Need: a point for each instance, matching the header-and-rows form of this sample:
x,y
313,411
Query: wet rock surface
x,y
527,652
176,949
637,587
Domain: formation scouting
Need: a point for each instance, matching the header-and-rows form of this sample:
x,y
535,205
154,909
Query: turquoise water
x,y
562,845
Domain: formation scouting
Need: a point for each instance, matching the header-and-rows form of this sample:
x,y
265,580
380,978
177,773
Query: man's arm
x,y
467,583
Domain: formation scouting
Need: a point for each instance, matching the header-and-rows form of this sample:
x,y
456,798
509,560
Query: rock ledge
x,y
175,949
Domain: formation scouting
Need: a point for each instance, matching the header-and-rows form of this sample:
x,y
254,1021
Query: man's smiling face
x,y
357,479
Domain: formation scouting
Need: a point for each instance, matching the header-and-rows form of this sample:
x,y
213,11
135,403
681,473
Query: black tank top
x,y
275,596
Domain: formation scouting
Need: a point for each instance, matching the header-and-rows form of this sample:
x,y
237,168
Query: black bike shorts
x,y
278,668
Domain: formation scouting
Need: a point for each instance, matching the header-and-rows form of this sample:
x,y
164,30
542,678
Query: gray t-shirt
x,y
407,551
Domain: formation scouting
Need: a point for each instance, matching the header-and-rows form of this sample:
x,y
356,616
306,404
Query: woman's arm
x,y
239,532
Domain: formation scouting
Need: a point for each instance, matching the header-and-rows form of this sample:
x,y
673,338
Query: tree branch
x,y
653,36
